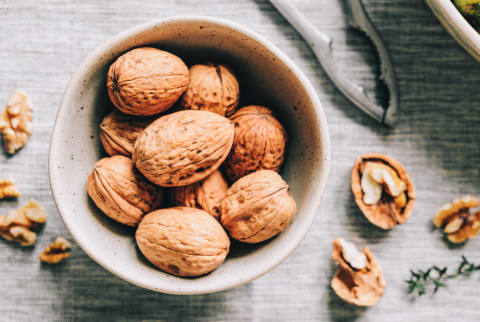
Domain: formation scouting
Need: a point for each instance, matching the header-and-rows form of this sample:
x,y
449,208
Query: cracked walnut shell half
x,y
359,278
257,207
118,132
182,148
457,220
383,190
146,81
121,192
212,87
206,195
182,241
16,122
259,142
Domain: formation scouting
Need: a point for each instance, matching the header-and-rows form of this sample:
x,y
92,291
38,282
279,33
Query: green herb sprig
x,y
436,276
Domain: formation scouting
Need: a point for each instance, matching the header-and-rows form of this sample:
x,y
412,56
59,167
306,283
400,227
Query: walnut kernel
x,y
457,220
8,189
56,251
17,224
16,122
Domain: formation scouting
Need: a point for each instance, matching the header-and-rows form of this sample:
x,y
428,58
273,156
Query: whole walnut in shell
x,y
206,194
182,148
257,207
118,132
212,87
383,190
146,81
259,142
121,192
182,241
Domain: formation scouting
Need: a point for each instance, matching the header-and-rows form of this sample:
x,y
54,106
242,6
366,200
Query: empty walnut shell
x,y
259,142
118,132
206,195
146,81
182,241
212,87
257,207
385,213
121,192
184,147
363,287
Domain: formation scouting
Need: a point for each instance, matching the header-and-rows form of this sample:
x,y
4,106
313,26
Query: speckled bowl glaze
x,y
457,26
267,77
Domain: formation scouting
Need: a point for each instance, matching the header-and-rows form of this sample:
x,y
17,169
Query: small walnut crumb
x,y
56,251
8,189
457,220
16,122
17,224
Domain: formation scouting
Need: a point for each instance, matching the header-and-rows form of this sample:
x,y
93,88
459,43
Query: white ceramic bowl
x,y
457,25
264,72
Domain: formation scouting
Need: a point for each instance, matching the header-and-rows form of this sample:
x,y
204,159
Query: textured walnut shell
x,y
184,147
259,142
121,192
146,81
257,207
182,241
364,287
212,87
383,214
206,194
118,132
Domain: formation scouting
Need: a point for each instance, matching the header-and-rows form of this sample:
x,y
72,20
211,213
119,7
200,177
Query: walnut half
x,y
16,122
383,190
359,278
8,189
17,224
457,220
56,251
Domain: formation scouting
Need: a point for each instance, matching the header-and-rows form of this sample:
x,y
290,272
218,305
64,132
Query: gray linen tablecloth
x,y
43,42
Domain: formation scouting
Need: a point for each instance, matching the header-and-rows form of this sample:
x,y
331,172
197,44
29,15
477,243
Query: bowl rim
x,y
318,189
456,24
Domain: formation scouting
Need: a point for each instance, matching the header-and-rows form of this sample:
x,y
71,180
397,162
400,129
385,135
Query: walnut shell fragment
x,y
146,81
182,148
259,142
121,192
17,224
118,132
457,220
360,284
206,194
212,87
8,189
382,190
16,122
56,251
257,207
182,241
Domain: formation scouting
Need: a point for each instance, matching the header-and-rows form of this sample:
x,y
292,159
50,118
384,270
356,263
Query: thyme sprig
x,y
420,280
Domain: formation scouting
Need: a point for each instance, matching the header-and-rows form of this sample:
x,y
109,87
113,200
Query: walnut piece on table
x,y
16,122
8,189
457,220
56,251
17,225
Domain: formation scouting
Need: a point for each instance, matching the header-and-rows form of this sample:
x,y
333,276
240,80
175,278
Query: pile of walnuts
x,y
165,170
